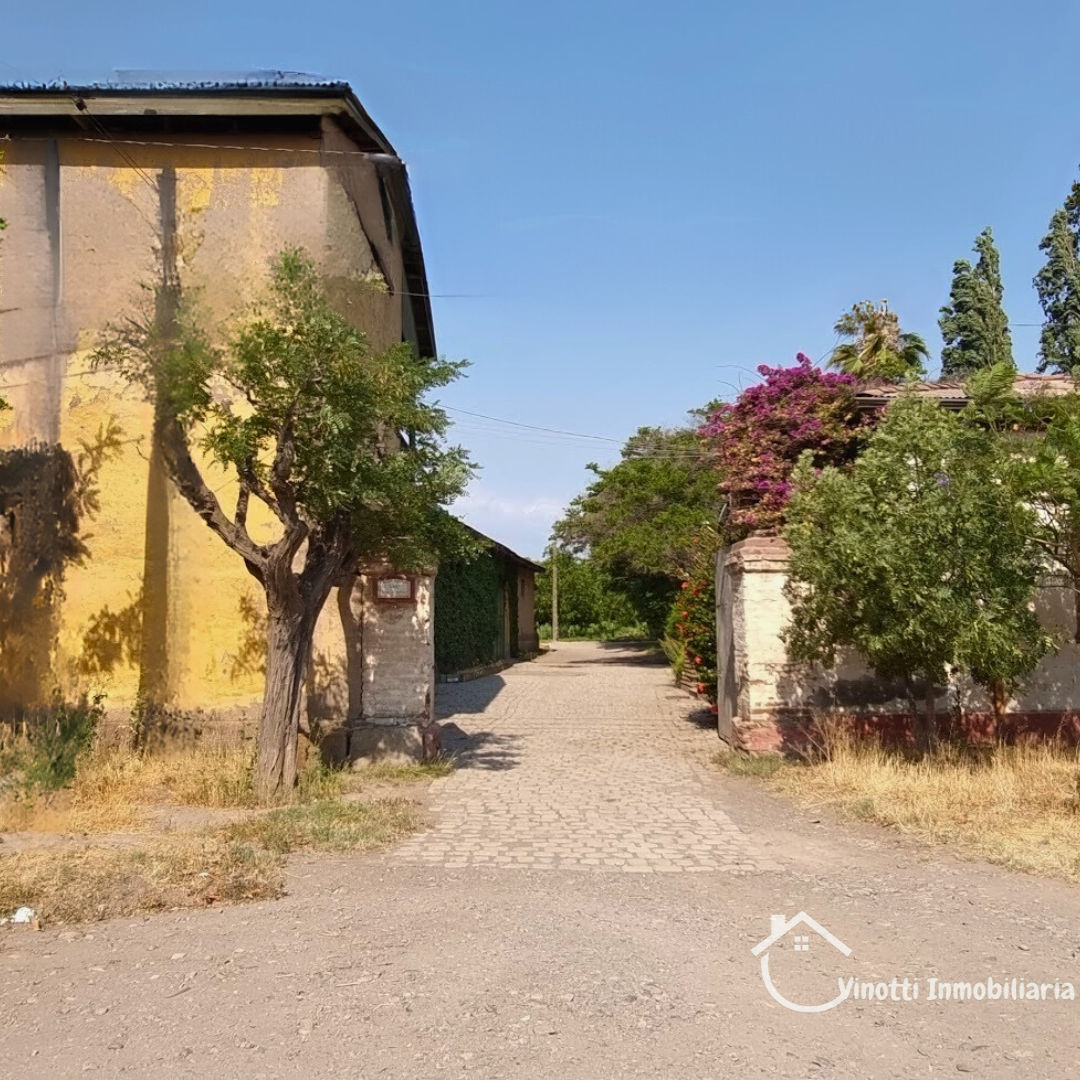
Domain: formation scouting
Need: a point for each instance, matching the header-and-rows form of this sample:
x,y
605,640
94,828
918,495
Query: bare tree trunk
x,y
998,700
290,630
931,716
918,721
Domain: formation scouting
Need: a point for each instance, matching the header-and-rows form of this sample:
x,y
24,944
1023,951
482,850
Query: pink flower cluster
x,y
759,437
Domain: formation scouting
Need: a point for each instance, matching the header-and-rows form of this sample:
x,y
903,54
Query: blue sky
x,y
644,201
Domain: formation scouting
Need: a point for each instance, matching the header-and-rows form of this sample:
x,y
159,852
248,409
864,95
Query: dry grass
x,y
116,791
1016,806
65,885
112,789
241,861
328,826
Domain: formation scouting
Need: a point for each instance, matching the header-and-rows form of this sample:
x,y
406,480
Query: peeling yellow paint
x,y
125,181
266,185
196,188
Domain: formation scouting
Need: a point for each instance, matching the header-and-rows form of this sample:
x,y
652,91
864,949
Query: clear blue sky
x,y
646,200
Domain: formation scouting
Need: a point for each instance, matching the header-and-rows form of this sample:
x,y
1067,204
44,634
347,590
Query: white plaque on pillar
x,y
393,587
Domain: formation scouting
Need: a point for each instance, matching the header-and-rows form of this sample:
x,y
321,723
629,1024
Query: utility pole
x,y
554,595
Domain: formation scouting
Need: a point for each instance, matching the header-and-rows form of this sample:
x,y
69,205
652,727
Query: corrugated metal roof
x,y
134,80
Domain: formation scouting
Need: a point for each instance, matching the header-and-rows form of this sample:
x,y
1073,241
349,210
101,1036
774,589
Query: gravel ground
x,y
455,955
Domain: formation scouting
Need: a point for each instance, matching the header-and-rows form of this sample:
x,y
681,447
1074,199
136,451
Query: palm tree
x,y
876,347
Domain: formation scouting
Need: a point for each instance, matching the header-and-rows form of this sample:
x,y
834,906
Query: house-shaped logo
x,y
780,927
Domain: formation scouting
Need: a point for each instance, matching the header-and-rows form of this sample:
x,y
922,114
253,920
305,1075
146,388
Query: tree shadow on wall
x,y
45,496
112,638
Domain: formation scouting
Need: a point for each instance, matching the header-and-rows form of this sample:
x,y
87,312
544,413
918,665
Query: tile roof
x,y
954,390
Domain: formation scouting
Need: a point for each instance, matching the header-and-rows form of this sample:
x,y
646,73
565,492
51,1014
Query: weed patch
x,y
327,826
760,766
408,771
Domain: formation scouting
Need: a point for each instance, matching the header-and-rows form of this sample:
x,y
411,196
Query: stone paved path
x,y
586,759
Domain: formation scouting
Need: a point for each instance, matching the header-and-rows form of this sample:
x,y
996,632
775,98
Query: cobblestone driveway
x,y
585,759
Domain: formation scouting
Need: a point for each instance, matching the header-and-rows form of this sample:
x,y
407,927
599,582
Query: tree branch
x,y
281,473
189,480
242,500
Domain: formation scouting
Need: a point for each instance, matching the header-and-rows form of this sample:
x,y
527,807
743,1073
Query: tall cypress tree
x,y
1058,286
973,323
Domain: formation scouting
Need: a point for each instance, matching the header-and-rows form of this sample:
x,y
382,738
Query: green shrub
x,y
692,623
43,755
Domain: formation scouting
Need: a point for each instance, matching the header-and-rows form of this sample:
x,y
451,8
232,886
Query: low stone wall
x,y
768,704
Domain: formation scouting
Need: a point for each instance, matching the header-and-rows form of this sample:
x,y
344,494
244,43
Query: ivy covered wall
x,y
470,621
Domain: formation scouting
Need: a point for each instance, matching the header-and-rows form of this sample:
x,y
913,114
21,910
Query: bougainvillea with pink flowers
x,y
760,436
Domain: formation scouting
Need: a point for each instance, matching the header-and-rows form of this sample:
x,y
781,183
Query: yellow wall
x,y
68,270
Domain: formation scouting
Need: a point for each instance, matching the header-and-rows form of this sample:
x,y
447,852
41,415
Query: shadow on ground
x,y
474,696
703,718
481,749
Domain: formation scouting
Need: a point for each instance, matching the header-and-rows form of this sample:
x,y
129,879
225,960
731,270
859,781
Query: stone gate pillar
x,y
753,672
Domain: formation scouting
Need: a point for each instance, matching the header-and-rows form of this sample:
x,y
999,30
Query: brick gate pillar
x,y
392,673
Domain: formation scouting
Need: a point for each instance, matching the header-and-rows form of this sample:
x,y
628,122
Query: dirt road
x,y
585,904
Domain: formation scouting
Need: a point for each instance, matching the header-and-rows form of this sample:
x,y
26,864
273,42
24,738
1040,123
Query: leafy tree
x,y
644,521
305,415
757,440
1040,436
920,557
875,346
591,603
973,324
642,515
1058,286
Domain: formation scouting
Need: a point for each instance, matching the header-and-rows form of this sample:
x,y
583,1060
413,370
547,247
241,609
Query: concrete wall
x,y
159,602
766,701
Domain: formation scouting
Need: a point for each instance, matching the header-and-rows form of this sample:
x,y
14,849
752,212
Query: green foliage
x,y
593,604
973,324
1058,286
44,756
308,416
1042,435
876,347
468,613
674,649
336,438
643,515
692,624
642,525
920,557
